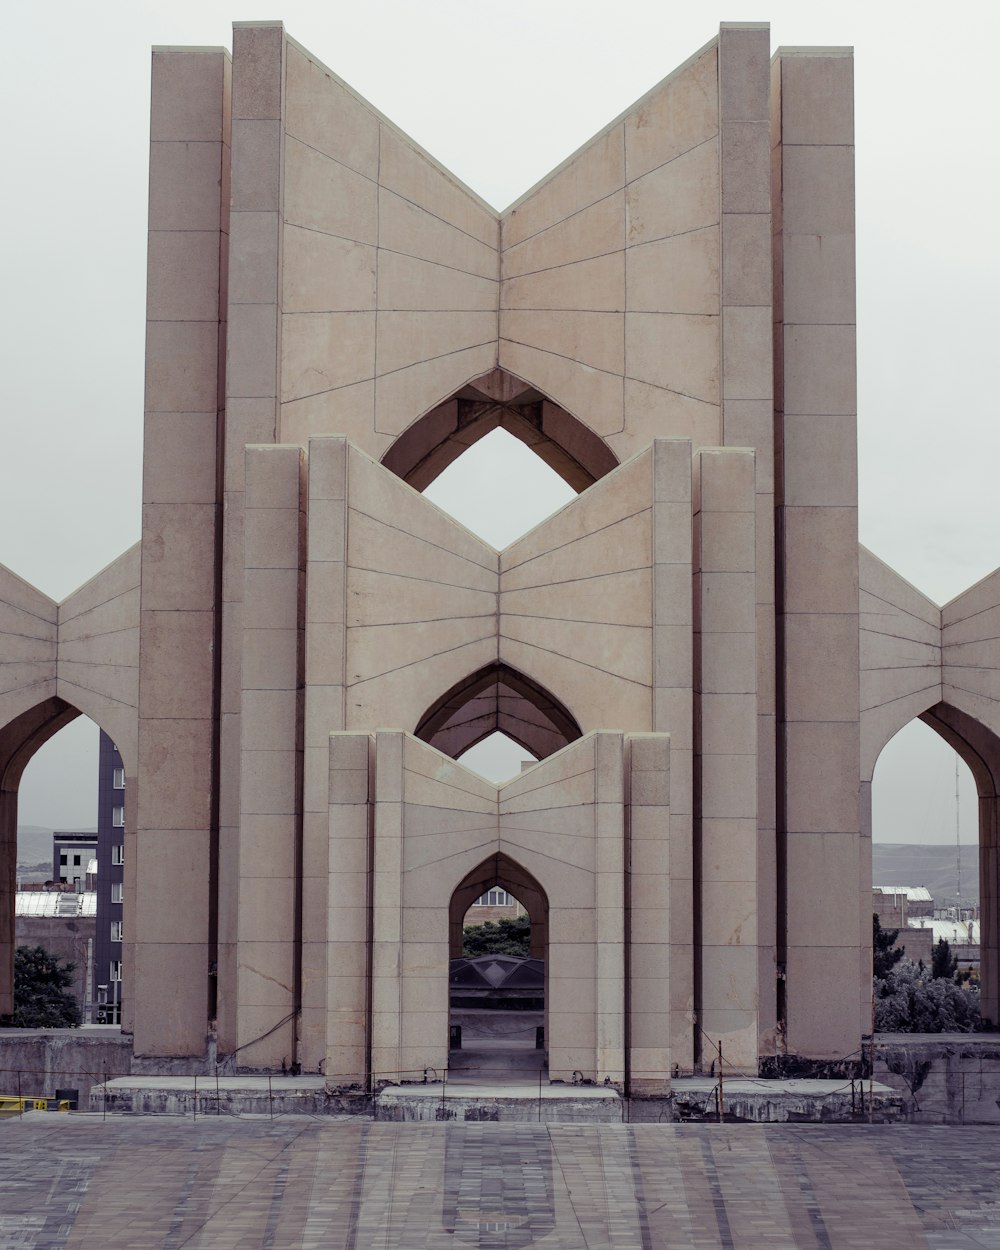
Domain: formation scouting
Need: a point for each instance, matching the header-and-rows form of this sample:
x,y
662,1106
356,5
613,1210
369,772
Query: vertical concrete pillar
x,y
726,753
748,409
325,657
648,913
673,713
609,904
387,910
176,818
270,758
349,910
815,404
252,364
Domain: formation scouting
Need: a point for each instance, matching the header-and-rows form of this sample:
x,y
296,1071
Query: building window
x,y
63,858
76,861
118,779
116,931
494,898
117,892
118,817
116,970
118,854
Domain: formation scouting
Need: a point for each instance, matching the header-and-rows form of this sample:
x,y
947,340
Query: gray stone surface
x,y
163,1182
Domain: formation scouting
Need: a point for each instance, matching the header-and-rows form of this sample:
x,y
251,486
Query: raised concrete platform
x,y
208,1095
507,1100
512,1096
785,1100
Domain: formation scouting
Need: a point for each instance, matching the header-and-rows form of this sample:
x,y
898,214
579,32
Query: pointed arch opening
x,y
84,864
498,699
499,400
970,923
497,1000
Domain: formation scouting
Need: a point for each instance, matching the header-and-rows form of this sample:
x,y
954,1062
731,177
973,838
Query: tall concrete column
x,y
252,369
819,748
748,409
726,828
185,341
270,843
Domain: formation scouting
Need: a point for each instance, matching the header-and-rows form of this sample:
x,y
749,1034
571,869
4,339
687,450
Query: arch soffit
x,y
494,699
23,735
500,870
499,399
977,744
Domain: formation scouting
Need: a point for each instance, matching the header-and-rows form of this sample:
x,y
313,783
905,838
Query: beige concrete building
x,y
296,656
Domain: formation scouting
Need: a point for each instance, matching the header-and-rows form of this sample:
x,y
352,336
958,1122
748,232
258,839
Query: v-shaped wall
x,y
679,296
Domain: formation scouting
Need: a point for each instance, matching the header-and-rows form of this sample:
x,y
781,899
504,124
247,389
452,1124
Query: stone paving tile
x,y
301,1183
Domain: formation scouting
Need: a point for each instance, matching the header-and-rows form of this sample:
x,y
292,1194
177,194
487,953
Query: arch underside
x,y
500,870
497,699
498,399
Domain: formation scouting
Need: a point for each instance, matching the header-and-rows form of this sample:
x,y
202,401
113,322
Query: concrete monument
x,y
299,651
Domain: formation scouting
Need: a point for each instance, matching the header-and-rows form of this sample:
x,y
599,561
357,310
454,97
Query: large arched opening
x,y
952,907
499,400
498,699
497,1001
85,853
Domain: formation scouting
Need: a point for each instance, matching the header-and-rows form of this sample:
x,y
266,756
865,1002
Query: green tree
x,y
943,962
42,997
907,1000
505,937
884,958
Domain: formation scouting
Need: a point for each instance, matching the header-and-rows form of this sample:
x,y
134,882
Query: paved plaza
x,y
226,1184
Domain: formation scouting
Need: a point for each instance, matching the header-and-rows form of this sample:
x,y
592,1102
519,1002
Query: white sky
x,y
500,94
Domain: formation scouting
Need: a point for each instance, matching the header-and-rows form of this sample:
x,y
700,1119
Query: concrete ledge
x,y
507,1101
942,1078
204,1095
763,1101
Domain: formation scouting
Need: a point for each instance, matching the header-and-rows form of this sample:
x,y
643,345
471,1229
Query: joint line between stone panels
x,y
630,182
78,685
429,542
469,347
422,660
53,642
917,642
897,607
414,577
568,264
569,542
6,603
560,355
644,685
572,620
554,859
628,377
991,607
544,785
438,833
431,620
449,785
441,859
97,606
562,220
378,249
570,581
874,707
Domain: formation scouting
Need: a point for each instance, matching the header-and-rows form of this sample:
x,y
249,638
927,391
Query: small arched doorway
x,y
83,861
497,1003
978,747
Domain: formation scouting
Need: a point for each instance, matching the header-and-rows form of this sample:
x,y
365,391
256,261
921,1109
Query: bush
x,y
41,992
910,1000
505,937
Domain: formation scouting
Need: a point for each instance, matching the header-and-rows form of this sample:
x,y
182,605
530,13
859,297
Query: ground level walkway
x,y
87,1183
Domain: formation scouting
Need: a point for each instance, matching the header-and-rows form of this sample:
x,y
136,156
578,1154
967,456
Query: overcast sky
x,y
500,94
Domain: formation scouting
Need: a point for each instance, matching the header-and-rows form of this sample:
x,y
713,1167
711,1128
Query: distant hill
x,y
904,863
34,845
